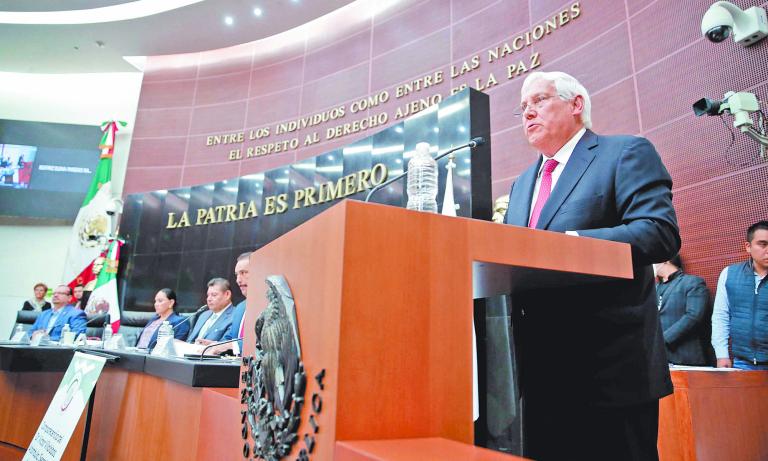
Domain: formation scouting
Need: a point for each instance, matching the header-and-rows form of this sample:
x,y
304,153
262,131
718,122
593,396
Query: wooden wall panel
x,y
643,62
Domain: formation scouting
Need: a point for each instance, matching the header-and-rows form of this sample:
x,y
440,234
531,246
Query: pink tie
x,y
544,190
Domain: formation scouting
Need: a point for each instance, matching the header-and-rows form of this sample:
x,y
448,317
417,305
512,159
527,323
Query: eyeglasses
x,y
536,103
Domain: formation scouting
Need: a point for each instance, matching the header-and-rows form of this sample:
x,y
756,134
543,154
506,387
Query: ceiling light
x,y
120,12
229,20
257,12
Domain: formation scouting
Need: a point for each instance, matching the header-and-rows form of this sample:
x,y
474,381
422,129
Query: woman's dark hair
x,y
171,295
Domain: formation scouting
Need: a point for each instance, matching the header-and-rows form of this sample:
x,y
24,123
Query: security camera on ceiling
x,y
723,18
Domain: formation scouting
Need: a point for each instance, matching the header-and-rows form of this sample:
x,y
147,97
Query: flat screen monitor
x,y
45,170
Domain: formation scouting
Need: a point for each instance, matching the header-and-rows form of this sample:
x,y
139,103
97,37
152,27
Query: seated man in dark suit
x,y
52,321
217,320
684,314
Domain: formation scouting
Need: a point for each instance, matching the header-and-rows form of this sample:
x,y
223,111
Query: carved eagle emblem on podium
x,y
274,378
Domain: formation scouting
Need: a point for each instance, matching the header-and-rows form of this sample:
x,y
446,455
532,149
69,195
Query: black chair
x,y
95,326
131,324
26,319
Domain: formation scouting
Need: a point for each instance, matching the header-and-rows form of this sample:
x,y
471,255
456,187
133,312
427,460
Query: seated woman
x,y
38,303
165,301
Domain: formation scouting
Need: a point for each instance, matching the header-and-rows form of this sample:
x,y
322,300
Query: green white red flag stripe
x,y
104,296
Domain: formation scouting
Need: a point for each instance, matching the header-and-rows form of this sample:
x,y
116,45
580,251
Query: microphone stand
x,y
199,311
479,141
202,354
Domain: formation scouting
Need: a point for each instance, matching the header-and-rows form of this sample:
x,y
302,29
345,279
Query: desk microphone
x,y
199,311
478,141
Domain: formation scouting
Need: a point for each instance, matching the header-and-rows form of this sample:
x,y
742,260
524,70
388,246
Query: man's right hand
x,y
724,363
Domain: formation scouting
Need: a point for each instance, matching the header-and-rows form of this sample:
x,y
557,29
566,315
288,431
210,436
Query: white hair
x,y
567,88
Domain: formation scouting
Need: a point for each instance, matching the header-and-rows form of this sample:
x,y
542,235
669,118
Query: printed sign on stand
x,y
65,410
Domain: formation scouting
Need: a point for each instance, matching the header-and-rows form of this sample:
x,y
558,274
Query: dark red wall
x,y
644,63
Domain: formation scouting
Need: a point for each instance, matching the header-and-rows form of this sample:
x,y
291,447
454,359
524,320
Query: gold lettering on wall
x,y
520,64
276,204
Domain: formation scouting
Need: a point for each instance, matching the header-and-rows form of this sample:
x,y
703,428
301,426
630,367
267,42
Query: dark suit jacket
x,y
234,330
181,332
28,307
600,343
217,330
684,314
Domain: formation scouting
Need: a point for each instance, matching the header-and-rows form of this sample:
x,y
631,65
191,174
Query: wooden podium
x,y
384,298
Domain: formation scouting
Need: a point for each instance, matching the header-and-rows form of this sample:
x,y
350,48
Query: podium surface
x,y
384,298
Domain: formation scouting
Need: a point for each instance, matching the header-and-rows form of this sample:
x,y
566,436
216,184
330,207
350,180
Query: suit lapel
x,y
580,159
227,314
199,324
61,319
518,214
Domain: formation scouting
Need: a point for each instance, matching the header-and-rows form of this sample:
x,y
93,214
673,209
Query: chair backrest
x,y
26,319
95,326
131,324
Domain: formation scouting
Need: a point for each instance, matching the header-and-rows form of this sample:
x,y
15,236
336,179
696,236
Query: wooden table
x,y
145,407
715,415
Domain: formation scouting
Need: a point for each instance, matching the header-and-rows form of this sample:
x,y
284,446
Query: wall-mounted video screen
x,y
45,170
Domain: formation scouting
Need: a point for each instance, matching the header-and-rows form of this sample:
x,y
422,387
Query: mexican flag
x,y
93,225
104,295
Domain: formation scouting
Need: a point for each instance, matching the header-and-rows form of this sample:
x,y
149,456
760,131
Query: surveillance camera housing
x,y
724,18
706,106
717,23
718,33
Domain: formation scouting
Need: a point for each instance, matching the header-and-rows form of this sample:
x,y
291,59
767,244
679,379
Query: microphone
x,y
475,142
199,311
202,354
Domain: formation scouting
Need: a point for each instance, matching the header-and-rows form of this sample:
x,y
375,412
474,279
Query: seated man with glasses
x,y
52,321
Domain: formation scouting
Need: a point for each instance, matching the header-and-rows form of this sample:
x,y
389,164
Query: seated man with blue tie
x,y
52,321
217,320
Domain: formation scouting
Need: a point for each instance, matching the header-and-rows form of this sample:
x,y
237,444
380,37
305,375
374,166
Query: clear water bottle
x,y
106,335
18,333
422,180
65,329
165,331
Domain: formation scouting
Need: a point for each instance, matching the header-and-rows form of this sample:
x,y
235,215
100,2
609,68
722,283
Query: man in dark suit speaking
x,y
592,359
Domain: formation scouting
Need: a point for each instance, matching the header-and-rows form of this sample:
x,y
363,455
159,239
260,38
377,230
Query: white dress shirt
x,y
211,320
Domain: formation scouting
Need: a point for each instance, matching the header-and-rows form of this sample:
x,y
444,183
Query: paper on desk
x,y
699,368
183,347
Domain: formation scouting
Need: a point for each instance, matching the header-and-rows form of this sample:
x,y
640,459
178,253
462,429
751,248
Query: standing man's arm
x,y
643,190
721,323
696,299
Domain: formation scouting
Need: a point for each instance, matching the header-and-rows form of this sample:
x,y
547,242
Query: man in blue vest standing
x,y
741,307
